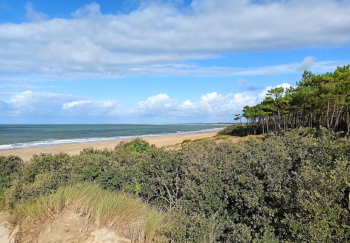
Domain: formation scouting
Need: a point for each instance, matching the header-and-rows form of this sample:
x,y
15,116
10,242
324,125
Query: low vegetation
x,y
9,169
293,187
234,130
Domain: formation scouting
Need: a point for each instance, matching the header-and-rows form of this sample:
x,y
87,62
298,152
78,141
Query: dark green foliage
x,y
317,100
289,188
235,130
10,168
137,145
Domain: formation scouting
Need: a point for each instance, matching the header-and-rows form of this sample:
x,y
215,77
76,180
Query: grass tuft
x,y
119,212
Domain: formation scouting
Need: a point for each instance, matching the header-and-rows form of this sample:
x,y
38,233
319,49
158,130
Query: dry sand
x,y
72,149
68,227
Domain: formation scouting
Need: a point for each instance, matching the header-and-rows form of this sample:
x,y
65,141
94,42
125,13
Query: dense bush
x,y
288,188
235,130
136,145
10,167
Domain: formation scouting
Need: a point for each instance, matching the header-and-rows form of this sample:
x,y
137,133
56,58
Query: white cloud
x,y
195,70
17,86
30,102
91,10
157,104
70,105
209,105
157,38
4,106
34,15
94,108
46,103
307,64
263,94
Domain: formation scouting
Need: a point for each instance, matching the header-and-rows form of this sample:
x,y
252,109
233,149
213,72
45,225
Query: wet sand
x,y
72,149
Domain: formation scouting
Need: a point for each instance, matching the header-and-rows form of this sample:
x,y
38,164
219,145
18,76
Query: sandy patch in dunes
x,y
68,227
6,234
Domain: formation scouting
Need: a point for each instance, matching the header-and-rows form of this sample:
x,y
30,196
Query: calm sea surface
x,y
25,136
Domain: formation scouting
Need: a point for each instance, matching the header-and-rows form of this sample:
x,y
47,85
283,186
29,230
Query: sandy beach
x,y
72,149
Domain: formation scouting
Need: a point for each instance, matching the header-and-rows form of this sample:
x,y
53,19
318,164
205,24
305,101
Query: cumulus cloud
x,y
92,10
211,105
34,15
95,108
45,103
156,105
30,102
159,38
263,94
4,106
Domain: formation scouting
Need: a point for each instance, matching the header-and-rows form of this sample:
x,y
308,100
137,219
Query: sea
x,y
27,136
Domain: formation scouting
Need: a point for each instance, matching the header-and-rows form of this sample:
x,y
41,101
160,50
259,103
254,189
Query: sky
x,y
159,61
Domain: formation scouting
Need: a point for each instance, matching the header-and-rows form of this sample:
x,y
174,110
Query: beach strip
x,y
72,149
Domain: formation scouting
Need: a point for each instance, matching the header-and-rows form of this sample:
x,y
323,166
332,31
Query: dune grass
x,y
120,212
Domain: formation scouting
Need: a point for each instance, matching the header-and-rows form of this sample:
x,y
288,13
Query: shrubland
x,y
293,187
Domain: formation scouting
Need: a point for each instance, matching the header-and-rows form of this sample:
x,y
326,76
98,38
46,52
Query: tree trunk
x,y
328,119
348,120
340,111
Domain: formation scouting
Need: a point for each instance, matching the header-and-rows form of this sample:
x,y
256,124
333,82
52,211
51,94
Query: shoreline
x,y
54,142
72,149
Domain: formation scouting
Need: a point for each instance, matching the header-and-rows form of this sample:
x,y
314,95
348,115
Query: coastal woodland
x,y
291,185
317,100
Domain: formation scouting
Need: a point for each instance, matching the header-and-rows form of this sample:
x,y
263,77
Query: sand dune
x,y
72,149
66,228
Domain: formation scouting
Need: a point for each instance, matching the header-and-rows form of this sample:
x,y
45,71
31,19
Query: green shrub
x,y
289,188
10,168
235,130
137,145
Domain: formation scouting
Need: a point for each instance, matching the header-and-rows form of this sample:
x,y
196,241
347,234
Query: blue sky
x,y
159,61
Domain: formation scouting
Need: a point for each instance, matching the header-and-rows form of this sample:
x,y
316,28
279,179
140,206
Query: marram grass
x,y
117,211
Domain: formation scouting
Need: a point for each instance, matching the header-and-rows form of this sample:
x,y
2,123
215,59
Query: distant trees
x,y
318,100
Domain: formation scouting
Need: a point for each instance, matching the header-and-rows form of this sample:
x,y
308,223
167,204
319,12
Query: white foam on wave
x,y
95,139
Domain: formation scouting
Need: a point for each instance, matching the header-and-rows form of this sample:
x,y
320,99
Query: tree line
x,y
317,100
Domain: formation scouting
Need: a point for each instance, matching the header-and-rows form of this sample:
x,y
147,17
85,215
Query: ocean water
x,y
26,136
